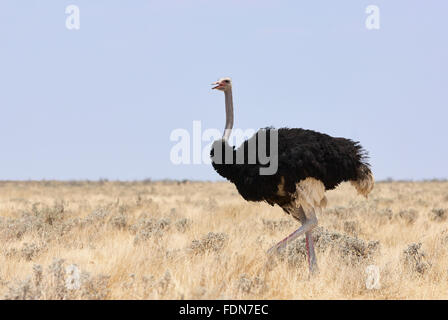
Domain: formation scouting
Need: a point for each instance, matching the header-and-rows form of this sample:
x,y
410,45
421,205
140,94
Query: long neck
x,y
229,114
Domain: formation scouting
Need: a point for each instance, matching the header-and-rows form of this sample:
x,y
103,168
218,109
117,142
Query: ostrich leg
x,y
310,252
309,221
312,260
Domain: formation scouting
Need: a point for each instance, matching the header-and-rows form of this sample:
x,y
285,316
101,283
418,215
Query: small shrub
x,y
277,225
349,249
438,215
59,282
119,221
183,225
415,258
352,227
30,251
210,242
145,229
409,216
251,285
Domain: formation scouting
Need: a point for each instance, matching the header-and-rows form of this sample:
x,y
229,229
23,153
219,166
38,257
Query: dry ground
x,y
201,240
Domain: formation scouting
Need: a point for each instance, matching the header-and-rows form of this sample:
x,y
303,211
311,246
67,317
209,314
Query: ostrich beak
x,y
216,83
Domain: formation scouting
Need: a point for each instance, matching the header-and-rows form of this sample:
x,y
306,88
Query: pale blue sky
x,y
101,102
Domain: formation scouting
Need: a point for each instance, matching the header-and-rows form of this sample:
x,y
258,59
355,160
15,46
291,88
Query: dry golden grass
x,y
201,240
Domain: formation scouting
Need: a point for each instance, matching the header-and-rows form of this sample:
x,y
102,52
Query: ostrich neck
x,y
229,114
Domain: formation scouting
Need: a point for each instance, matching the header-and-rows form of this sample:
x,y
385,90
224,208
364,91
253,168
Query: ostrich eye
x,y
226,81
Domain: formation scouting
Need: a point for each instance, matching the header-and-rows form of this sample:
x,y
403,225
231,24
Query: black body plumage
x,y
301,154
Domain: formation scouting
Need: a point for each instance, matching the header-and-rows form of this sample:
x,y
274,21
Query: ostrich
x,y
309,163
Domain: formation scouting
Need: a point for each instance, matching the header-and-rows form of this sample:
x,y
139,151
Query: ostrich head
x,y
223,84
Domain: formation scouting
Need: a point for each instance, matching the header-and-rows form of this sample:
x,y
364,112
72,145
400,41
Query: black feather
x,y
301,154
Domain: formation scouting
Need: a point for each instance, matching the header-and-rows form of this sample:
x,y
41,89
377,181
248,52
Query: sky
x,y
102,101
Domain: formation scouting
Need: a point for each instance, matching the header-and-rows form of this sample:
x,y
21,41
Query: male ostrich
x,y
309,163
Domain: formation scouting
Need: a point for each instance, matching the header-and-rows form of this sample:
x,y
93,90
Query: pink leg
x,y
311,255
309,222
307,226
307,245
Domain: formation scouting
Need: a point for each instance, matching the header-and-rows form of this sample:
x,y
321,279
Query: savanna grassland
x,y
201,240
